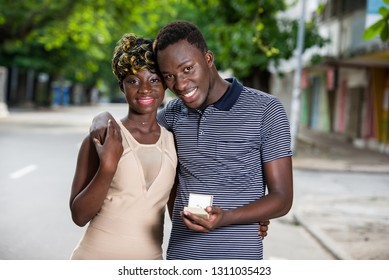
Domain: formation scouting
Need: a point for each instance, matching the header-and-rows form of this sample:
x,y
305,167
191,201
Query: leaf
x,y
320,9
386,2
385,32
383,11
373,30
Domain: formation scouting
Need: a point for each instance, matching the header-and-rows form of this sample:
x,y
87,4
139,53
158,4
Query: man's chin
x,y
192,105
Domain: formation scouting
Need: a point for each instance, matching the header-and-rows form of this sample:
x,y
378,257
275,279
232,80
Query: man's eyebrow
x,y
178,66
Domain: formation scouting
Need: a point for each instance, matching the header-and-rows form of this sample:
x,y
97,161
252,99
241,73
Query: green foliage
x,y
75,38
247,35
381,27
18,20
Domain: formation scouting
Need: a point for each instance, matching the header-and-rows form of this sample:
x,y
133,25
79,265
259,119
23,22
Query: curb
x,y
328,166
329,244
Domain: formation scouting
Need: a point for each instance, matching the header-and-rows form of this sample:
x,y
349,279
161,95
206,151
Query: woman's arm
x,y
96,166
172,197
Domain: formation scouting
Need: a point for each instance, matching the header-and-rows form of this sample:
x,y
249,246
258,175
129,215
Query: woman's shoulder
x,y
174,106
166,133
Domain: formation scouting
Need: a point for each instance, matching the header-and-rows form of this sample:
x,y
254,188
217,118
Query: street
x,y
38,156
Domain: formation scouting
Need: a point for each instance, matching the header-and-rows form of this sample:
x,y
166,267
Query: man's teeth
x,y
190,94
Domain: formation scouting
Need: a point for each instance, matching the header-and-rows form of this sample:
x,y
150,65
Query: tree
x,y
75,39
247,36
71,39
18,20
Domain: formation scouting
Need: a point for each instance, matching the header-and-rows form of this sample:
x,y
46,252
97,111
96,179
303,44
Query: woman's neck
x,y
144,129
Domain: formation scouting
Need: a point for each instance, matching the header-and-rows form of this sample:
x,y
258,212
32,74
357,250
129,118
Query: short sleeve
x,y
276,132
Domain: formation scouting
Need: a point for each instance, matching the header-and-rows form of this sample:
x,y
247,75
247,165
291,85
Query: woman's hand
x,y
111,150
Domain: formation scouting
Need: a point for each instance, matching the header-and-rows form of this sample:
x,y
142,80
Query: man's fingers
x,y
113,128
193,225
263,228
110,129
113,131
262,235
96,142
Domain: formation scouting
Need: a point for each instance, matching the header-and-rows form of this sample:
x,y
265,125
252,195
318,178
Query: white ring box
x,y
197,204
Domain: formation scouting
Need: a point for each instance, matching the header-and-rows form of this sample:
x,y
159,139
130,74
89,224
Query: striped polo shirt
x,y
221,152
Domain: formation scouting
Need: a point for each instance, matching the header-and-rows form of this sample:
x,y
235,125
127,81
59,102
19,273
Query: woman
x,y
121,186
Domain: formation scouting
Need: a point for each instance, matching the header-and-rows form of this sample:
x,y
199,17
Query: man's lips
x,y
189,96
190,93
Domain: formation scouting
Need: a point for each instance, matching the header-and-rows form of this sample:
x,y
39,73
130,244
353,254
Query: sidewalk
x,y
317,150
351,227
356,228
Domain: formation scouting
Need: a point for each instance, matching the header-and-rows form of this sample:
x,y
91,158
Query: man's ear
x,y
209,57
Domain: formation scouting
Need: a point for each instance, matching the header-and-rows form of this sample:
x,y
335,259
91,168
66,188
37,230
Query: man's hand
x,y
98,128
199,224
215,220
262,229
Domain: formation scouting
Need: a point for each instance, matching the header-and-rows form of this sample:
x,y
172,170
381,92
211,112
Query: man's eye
x,y
168,77
188,69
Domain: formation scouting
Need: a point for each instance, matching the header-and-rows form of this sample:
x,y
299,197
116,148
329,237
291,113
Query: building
x,y
347,93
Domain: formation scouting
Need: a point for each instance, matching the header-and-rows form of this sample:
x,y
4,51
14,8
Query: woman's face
x,y
144,91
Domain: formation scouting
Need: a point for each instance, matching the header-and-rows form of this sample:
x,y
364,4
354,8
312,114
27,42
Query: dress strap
x,y
124,133
162,138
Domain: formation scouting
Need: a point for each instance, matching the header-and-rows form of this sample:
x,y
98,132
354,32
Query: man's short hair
x,y
177,31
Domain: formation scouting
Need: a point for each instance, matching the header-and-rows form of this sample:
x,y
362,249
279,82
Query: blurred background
x,y
326,60
58,53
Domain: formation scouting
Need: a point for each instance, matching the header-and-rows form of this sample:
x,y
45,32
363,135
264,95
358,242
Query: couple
x,y
232,142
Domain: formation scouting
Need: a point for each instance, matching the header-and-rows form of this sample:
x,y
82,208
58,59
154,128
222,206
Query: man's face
x,y
186,71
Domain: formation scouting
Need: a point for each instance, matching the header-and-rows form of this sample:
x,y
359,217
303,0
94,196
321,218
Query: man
x,y
232,142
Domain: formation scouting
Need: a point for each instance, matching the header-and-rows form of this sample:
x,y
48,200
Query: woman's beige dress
x,y
130,222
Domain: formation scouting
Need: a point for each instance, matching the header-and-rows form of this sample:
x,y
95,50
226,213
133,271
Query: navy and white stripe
x,y
220,152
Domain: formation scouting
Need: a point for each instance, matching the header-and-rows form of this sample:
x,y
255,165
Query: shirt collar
x,y
228,100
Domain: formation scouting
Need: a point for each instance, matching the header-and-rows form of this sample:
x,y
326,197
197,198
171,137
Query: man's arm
x,y
275,204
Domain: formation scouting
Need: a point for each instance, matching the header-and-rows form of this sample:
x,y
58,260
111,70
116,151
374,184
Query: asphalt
x,y
315,151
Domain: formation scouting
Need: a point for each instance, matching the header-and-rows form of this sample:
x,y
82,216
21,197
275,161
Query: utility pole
x,y
3,82
295,109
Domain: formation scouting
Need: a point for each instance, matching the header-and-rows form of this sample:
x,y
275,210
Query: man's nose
x,y
181,83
